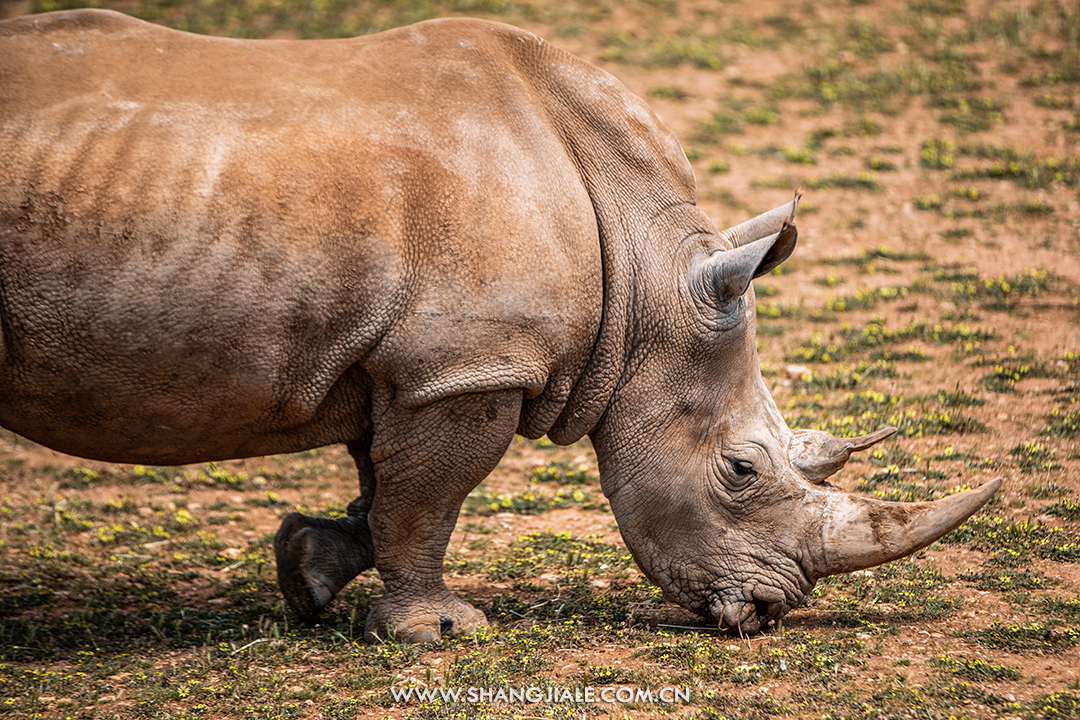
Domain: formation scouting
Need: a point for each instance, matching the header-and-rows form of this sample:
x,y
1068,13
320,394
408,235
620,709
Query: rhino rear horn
x,y
819,455
727,273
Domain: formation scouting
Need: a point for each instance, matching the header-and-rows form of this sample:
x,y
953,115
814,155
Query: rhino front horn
x,y
859,532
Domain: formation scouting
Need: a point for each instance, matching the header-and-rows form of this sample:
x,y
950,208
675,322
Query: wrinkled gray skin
x,y
416,243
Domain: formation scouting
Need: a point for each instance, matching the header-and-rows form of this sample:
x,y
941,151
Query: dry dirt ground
x,y
935,288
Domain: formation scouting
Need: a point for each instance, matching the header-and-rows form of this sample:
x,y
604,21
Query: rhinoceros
x,y
416,243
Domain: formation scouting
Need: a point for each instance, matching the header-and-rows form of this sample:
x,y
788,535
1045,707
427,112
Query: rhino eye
x,y
742,469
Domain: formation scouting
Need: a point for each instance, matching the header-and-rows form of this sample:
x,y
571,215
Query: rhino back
x,y
213,248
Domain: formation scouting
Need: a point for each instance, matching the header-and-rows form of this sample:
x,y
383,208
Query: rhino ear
x,y
727,274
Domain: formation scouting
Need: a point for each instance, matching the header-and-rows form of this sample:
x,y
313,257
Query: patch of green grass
x,y
861,181
928,202
669,92
865,298
832,82
868,258
533,501
866,40
1024,168
1034,638
722,122
894,455
901,591
894,484
938,7
880,164
1005,377
816,139
1036,207
911,353
1002,293
1045,490
975,670
798,155
1033,457
876,336
562,473
958,398
534,552
938,154
1006,581
1057,102
1063,424
1066,509
1059,705
1057,607
664,50
956,233
844,378
970,114
830,280
761,116
1011,541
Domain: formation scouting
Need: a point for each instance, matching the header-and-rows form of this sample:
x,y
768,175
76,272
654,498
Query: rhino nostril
x,y
761,609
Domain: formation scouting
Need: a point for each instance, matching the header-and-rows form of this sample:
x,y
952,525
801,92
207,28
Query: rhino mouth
x,y
751,607
747,617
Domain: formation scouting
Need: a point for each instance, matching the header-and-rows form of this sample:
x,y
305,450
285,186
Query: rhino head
x,y
722,505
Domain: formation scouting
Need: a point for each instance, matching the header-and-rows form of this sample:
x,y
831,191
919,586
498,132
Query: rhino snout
x,y
749,610
747,616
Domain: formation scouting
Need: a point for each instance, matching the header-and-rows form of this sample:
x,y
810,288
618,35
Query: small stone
x,y
796,371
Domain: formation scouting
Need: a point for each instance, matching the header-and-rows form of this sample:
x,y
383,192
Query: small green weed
x,y
1009,541
562,473
1045,490
530,502
975,670
1033,457
1063,424
1009,581
669,92
844,378
880,164
1067,509
1024,639
971,114
938,154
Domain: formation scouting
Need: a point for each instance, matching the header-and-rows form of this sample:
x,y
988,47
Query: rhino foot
x,y
316,557
419,620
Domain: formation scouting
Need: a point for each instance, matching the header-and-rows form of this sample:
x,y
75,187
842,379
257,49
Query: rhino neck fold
x,y
633,169
638,264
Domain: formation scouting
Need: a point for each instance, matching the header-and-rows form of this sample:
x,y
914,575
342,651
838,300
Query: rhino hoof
x,y
454,617
305,589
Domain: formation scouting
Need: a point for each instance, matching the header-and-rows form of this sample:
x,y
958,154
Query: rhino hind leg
x,y
428,460
317,557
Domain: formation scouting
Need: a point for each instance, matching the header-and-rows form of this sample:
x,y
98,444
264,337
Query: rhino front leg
x,y
427,460
316,557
